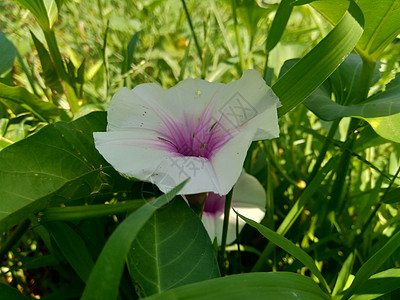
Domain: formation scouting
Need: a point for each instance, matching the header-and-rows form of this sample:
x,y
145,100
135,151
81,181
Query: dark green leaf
x,y
289,247
104,280
171,250
392,196
279,23
9,293
255,286
73,247
55,165
30,102
7,53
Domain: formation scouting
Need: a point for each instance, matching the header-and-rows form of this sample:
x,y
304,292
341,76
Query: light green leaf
x,y
9,293
382,25
7,53
55,165
313,69
387,127
171,250
378,285
255,286
382,22
38,10
372,265
289,247
45,111
104,279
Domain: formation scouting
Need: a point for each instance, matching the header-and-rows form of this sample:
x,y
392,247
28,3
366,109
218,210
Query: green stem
x,y
238,40
266,65
192,30
61,72
295,212
15,236
367,74
324,149
228,202
377,206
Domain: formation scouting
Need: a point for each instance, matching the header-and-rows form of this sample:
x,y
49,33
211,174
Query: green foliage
x,y
281,285
161,256
72,227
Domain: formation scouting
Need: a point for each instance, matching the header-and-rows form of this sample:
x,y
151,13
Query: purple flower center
x,y
199,137
214,204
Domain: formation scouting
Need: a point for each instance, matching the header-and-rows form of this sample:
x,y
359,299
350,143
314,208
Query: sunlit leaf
x,y
313,69
372,265
382,22
378,285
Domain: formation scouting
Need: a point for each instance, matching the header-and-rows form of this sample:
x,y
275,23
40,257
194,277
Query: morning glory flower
x,y
248,199
197,129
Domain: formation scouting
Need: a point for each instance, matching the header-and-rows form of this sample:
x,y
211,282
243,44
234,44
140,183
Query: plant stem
x,y
324,148
61,72
238,40
192,30
16,235
228,202
367,74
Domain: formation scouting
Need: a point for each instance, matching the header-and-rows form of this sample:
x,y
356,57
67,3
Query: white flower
x,y
196,129
248,199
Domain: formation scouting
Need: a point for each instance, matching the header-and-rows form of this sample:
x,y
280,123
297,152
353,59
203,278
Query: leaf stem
x,y
228,202
238,40
192,30
16,235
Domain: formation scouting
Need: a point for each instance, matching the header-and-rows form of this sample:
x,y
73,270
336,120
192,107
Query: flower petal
x,y
123,148
248,199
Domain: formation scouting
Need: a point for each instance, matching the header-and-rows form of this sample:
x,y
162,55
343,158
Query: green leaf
x,y
49,71
171,250
387,127
104,279
38,10
382,22
392,196
77,213
279,23
73,247
255,286
314,68
372,265
55,165
378,285
289,247
9,293
382,25
7,53
45,111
